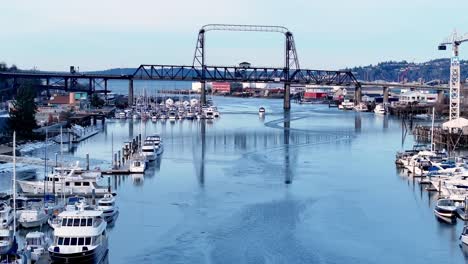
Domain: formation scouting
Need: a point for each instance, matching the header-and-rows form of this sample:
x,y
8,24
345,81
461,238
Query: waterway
x,y
317,185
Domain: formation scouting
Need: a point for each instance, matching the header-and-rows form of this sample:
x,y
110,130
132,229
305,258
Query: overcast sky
x,y
329,34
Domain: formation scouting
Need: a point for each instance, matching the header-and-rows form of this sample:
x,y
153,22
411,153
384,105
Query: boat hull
x,y
91,256
35,223
31,187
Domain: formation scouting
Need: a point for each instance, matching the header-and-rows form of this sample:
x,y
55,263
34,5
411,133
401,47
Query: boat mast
x,y
61,145
45,165
432,130
14,184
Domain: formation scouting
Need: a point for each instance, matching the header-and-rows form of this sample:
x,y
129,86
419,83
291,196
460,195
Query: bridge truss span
x,y
240,74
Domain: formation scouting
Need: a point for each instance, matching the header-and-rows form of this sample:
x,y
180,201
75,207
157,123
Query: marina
x,y
215,161
145,133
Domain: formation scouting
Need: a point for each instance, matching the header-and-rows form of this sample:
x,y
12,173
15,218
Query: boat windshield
x,y
33,241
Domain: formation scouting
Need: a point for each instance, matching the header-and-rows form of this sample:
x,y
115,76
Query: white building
x,y
418,96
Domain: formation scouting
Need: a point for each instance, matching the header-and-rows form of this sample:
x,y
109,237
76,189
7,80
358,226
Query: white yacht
x,y
346,105
152,147
81,238
361,107
154,119
137,164
108,207
121,115
34,215
70,184
36,244
6,215
380,109
209,113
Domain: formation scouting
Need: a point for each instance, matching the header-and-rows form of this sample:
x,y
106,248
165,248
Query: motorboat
x,y
34,215
6,215
36,244
136,116
137,164
446,210
108,207
464,235
380,109
190,116
361,107
209,113
6,240
172,116
154,118
261,111
69,184
152,147
80,238
346,105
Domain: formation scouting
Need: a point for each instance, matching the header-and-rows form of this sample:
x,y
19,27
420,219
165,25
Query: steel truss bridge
x,y
201,72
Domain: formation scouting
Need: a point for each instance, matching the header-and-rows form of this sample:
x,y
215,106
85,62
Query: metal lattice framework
x,y
239,74
291,58
455,41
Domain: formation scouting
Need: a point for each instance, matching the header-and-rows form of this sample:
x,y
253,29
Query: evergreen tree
x,y
22,116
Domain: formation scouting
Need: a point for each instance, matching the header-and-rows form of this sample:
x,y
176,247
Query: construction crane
x,y
455,41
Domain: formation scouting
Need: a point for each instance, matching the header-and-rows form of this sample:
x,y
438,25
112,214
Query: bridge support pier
x,y
130,92
203,93
385,95
357,94
440,96
287,96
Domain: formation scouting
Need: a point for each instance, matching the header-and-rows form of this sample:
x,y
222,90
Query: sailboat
x,y
8,244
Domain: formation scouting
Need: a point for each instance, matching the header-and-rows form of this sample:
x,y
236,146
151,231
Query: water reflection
x,y
287,169
357,122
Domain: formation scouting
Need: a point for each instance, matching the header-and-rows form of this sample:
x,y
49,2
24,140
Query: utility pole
x,y
454,80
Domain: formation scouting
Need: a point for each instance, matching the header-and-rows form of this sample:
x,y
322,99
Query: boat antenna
x,y
14,184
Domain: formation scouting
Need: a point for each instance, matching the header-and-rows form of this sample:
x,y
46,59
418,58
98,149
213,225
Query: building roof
x,y
456,123
59,99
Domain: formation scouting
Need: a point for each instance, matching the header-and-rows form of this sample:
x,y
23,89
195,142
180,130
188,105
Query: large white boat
x,y
34,215
361,107
108,207
137,164
152,147
380,109
346,105
209,113
69,184
6,215
36,244
81,238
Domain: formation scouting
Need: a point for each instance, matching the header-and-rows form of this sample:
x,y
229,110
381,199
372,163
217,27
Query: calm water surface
x,y
220,194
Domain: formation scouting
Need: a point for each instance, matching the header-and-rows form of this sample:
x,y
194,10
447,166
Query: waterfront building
x,y
418,96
